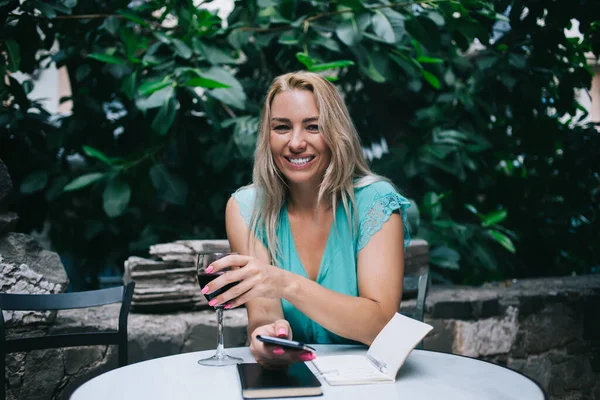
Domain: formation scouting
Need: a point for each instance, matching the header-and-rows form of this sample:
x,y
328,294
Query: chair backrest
x,y
419,285
65,301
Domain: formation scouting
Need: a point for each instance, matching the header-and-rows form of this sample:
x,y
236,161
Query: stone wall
x,y
548,329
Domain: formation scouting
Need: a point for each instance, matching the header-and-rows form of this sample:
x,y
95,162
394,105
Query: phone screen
x,y
290,344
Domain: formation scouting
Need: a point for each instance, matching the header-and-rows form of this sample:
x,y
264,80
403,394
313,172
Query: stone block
x,y
152,337
202,334
18,248
44,369
553,326
77,358
441,338
487,336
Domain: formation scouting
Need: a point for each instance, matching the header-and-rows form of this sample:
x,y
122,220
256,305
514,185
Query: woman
x,y
317,232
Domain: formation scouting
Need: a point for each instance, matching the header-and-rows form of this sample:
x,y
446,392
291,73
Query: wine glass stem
x,y
220,348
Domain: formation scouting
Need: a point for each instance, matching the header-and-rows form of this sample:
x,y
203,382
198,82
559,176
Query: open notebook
x,y
387,353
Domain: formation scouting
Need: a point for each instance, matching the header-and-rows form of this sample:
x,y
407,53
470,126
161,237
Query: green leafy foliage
x,y
474,102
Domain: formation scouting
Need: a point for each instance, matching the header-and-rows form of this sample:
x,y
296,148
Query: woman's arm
x,y
261,311
380,275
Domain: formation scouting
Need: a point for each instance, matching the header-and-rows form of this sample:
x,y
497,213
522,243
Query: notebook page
x,y
349,370
396,341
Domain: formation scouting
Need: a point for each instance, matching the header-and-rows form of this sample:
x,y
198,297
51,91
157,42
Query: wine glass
x,y
203,260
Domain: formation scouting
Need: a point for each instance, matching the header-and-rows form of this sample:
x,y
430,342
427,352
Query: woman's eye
x,y
281,128
314,128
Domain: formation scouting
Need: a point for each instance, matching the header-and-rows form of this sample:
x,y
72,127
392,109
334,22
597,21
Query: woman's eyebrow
x,y
305,120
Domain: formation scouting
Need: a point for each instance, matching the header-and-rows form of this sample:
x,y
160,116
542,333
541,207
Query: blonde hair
x,y
347,169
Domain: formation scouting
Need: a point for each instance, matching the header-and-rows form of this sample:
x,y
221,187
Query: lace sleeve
x,y
245,199
378,213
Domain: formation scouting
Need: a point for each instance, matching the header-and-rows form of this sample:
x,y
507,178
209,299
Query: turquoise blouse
x,y
375,204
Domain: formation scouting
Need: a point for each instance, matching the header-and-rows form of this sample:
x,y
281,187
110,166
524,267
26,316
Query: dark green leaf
x,y
233,96
165,117
517,60
431,79
388,25
150,87
115,197
46,9
445,257
502,239
350,31
205,83
34,182
494,217
429,60
239,38
331,65
107,58
213,54
182,49
133,17
56,188
305,59
111,25
83,181
171,188
328,43
14,55
156,99
128,85
97,154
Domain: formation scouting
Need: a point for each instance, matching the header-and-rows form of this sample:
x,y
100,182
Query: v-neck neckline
x,y
321,271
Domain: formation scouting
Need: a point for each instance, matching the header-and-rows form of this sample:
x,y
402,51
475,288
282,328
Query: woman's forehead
x,y
294,104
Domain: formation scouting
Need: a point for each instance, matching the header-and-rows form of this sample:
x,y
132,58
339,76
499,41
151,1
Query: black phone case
x,y
293,345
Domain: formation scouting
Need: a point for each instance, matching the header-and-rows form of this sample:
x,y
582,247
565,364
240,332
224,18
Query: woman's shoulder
x,y
245,197
367,191
247,192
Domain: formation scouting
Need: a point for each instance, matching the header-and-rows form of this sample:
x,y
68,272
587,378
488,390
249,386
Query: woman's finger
x,y
282,329
245,297
227,278
231,298
234,260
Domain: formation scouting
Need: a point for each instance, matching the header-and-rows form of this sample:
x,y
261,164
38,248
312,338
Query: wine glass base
x,y
220,360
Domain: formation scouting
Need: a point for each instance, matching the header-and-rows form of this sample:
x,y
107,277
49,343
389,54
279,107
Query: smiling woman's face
x,y
298,148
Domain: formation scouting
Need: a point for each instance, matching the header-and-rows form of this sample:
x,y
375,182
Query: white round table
x,y
425,375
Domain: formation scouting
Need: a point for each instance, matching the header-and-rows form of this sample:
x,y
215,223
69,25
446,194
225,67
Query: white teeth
x,y
300,161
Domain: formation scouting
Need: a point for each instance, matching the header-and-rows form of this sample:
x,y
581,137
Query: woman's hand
x,y
272,356
256,279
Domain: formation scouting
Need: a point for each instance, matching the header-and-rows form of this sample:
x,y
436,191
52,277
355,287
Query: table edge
x,y
493,363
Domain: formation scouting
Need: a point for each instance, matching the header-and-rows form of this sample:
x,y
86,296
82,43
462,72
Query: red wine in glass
x,y
205,279
203,260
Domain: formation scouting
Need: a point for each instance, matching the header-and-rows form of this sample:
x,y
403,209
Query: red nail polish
x,y
205,290
307,356
213,302
209,269
278,351
281,332
228,306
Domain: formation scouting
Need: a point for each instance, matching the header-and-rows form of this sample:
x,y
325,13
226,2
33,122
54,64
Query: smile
x,y
300,162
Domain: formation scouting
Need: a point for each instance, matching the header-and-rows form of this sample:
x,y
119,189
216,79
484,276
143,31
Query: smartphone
x,y
285,343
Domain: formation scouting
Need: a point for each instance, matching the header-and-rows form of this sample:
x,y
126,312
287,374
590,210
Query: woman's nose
x,y
297,140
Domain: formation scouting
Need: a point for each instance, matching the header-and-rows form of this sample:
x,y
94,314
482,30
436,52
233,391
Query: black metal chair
x,y
65,301
418,284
